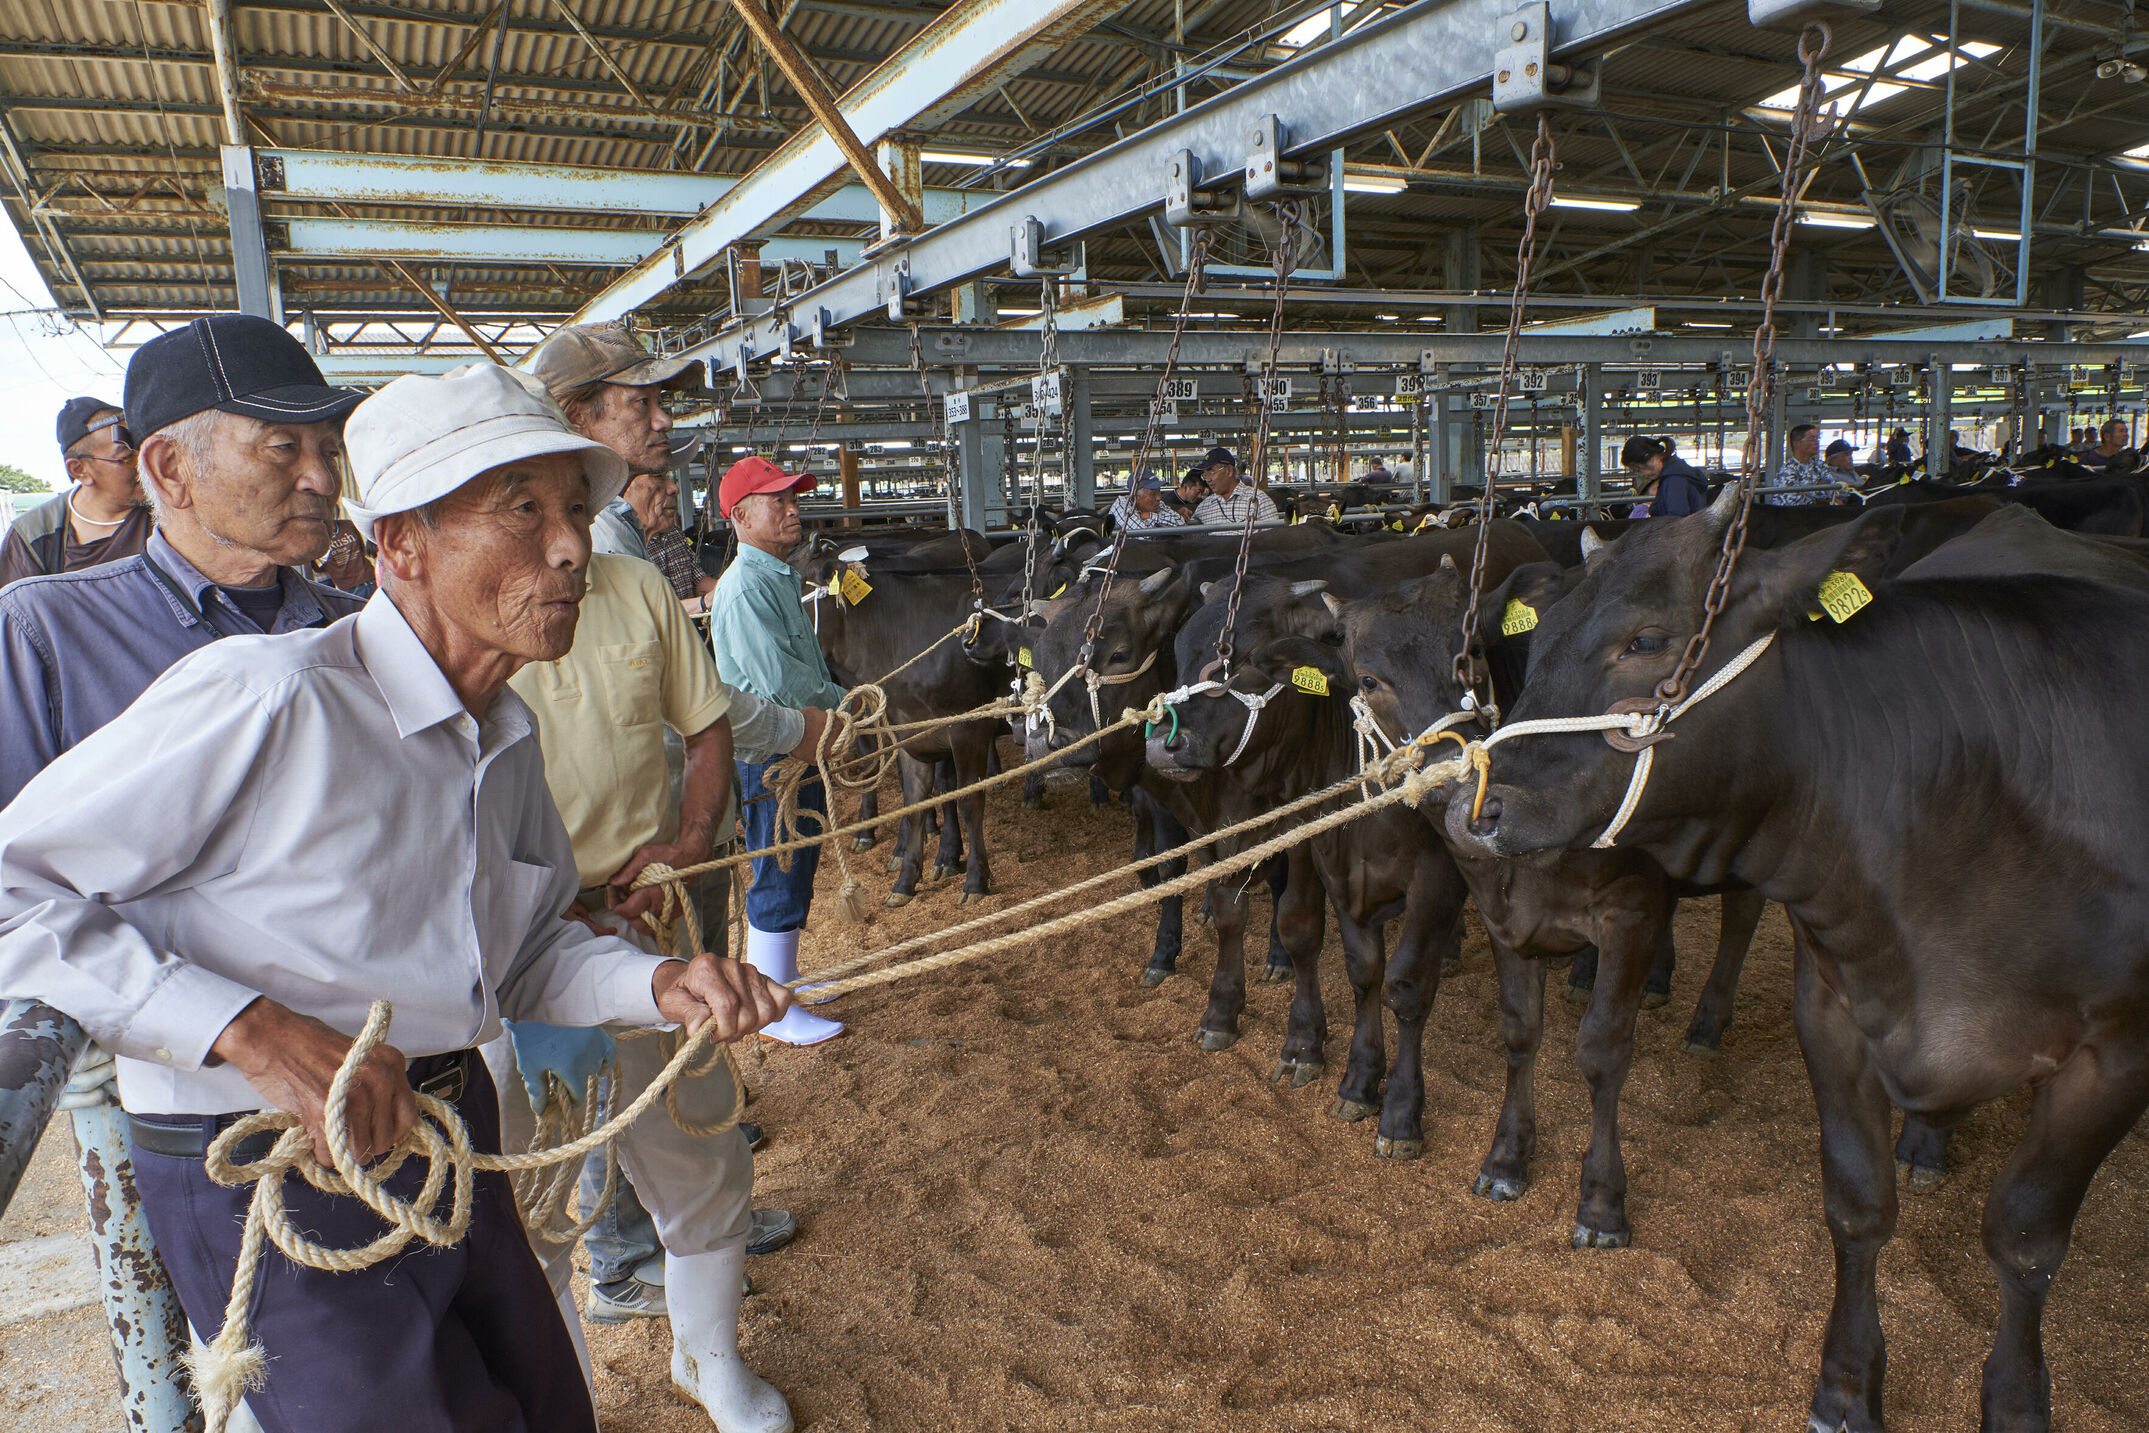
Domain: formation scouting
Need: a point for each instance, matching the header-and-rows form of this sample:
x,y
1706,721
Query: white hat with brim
x,y
422,437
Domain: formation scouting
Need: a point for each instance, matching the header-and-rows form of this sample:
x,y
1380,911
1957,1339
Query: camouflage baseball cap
x,y
589,353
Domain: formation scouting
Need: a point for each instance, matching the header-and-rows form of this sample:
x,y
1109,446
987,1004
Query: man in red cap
x,y
765,645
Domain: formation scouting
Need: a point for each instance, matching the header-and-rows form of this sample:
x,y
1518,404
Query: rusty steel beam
x,y
964,53
807,81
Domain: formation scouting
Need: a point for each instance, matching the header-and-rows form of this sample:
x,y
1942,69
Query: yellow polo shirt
x,y
637,667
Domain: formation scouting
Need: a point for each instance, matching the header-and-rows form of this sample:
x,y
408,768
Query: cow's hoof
x,y
863,841
895,863
1345,1109
1215,1042
1299,1075
1919,1178
1655,999
1157,975
1701,1047
1033,803
1388,1148
1278,974
1450,967
1588,1238
943,873
1579,994
1500,1188
968,896
897,898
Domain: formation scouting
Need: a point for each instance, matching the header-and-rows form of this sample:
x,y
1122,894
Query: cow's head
x,y
1618,633
1282,627
1131,655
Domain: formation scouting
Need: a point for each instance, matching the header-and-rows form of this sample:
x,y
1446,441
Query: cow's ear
x,y
1164,610
1511,610
1313,668
1789,581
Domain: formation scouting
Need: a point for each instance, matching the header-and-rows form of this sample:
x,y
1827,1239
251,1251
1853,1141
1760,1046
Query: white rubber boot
x,y
704,1292
775,954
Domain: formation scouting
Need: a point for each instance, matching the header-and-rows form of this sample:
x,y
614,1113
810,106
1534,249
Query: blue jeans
x,y
624,1237
778,899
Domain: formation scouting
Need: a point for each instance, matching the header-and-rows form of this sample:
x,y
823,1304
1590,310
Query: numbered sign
x,y
1181,390
1648,380
1276,392
958,406
1410,385
1161,411
1045,392
1484,400
1533,380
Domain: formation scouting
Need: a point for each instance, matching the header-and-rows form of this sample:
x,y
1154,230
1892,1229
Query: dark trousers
x,y
778,899
462,1340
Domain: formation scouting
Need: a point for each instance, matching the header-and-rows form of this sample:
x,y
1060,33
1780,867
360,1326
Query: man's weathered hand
x,y
737,997
809,747
292,1059
629,904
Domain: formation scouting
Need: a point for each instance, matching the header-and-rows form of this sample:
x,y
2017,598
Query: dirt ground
x,y
1029,1202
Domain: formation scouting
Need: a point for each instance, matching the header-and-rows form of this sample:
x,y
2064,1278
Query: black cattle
x,y
1981,722
1616,907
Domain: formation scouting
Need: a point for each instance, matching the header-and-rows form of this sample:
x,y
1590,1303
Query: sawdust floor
x,y
1028,1202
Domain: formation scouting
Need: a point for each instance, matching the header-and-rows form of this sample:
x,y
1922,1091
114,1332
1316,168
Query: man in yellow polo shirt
x,y
638,667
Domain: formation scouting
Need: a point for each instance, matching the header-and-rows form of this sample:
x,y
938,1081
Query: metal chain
x,y
1196,267
1286,259
1048,362
1807,126
1544,161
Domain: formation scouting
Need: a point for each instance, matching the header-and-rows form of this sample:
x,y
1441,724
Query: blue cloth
x,y
778,899
1680,490
572,1056
763,639
76,648
617,529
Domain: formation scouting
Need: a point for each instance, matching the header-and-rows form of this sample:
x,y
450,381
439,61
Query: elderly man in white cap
x,y
315,821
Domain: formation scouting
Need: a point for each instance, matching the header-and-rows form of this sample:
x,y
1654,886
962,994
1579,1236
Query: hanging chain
x,y
1196,264
1048,362
950,466
1286,257
1808,125
1544,161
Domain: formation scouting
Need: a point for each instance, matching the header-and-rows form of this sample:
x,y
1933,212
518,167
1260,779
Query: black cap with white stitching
x,y
232,362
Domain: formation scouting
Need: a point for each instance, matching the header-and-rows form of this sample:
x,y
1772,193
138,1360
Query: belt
x,y
444,1077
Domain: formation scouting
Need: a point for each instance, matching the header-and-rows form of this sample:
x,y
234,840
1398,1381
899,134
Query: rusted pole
x,y
807,81
847,473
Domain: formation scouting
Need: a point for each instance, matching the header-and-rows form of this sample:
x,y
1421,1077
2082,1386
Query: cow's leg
x,y
1033,791
1365,962
1219,1028
2076,1118
1301,920
946,778
1279,968
1582,975
1506,1171
1921,1153
1858,1184
1628,941
917,785
1657,993
868,809
977,870
1712,1013
1099,793
1165,833
1431,929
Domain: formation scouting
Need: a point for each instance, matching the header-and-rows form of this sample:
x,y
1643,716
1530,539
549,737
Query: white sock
x,y
703,1292
775,954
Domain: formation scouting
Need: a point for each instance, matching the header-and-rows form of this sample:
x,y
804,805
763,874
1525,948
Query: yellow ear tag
x,y
1057,591
1519,618
1423,523
1022,657
1842,595
1310,679
855,588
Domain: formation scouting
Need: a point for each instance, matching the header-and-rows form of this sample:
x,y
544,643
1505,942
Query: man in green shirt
x,y
765,645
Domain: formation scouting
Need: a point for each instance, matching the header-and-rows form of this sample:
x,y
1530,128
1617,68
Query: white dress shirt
x,y
312,817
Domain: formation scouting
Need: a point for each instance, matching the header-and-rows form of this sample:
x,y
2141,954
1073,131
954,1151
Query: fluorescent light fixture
x,y
1373,183
1306,31
1695,323
1834,221
951,156
1614,206
2007,234
2139,151
1429,318
1388,317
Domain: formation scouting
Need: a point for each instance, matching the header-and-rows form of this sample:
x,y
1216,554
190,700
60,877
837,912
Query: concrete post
x,y
978,440
1939,417
1439,482
1589,482
1081,476
250,273
1460,270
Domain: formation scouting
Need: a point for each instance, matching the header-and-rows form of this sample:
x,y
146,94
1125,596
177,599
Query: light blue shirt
x,y
763,639
617,529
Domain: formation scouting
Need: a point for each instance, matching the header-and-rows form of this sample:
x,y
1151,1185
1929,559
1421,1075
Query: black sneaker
x,y
771,1230
752,1132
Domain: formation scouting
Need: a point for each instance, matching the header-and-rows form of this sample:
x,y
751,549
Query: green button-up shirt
x,y
763,637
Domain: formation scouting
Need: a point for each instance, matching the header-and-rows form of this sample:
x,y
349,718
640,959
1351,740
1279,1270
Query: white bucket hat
x,y
421,438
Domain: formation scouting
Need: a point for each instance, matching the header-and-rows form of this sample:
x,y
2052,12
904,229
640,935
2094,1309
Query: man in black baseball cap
x,y
236,437
100,519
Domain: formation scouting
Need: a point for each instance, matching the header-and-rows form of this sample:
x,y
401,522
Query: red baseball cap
x,y
756,475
